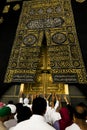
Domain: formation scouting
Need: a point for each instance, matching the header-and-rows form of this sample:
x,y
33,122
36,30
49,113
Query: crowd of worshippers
x,y
43,113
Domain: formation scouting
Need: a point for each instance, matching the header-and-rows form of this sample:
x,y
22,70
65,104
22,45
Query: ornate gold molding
x,y
6,9
80,1
1,20
16,7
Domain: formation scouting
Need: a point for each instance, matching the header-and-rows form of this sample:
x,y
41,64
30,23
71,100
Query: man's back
x,y
36,122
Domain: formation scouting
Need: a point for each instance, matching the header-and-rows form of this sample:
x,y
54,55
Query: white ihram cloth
x,y
74,126
36,122
51,115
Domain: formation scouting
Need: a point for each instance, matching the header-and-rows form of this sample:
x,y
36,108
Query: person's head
x,y
39,106
19,107
26,100
4,113
81,105
2,104
12,107
81,108
10,102
25,114
51,104
79,114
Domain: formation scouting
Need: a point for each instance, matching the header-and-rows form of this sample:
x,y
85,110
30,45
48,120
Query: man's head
x,y
4,113
39,106
12,107
81,111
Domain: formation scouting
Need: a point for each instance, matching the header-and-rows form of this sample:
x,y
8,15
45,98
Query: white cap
x,y
26,100
12,107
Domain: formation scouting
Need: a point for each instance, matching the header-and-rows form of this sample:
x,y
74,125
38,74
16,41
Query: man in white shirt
x,y
74,126
51,115
37,121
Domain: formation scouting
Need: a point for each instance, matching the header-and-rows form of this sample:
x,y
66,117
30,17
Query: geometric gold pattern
x,y
6,9
55,20
12,0
16,7
80,1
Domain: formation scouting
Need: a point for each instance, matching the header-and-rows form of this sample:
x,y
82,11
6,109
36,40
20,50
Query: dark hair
x,y
39,106
24,114
82,105
81,109
10,102
19,107
80,115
